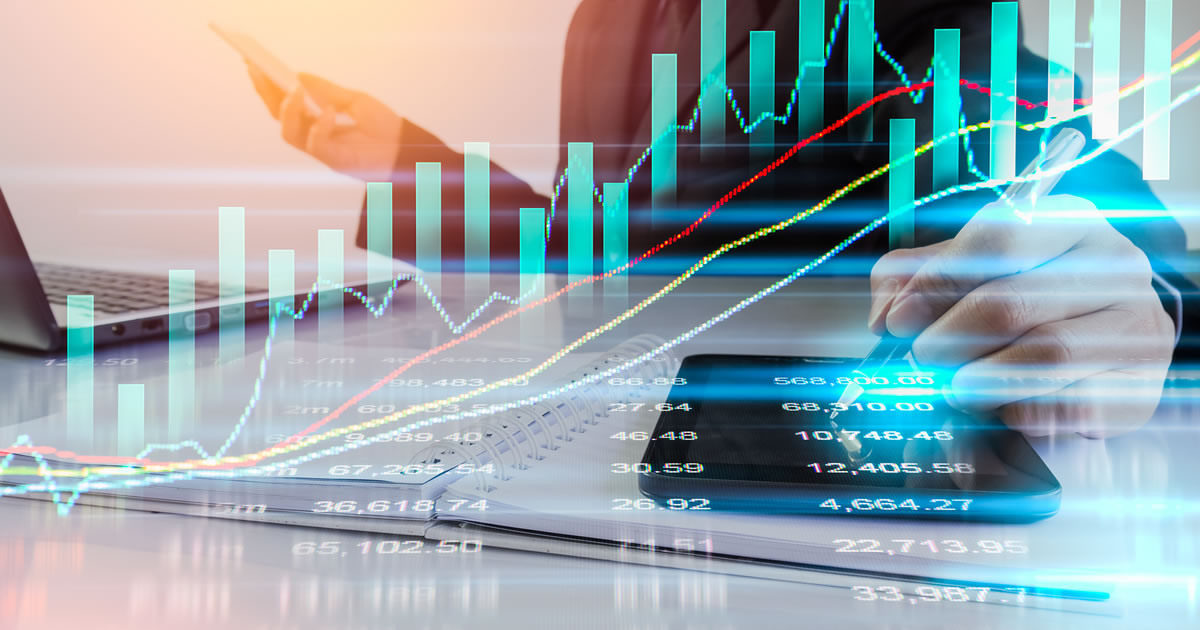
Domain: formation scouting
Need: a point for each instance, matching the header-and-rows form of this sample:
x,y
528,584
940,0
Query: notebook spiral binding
x,y
513,440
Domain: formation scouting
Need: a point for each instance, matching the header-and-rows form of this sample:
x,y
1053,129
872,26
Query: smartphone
x,y
278,72
275,70
754,433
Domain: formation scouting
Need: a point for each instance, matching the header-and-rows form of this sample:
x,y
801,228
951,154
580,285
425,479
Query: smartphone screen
x,y
768,432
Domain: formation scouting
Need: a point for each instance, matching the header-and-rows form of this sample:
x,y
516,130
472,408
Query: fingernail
x,y
950,393
881,299
963,392
909,316
975,388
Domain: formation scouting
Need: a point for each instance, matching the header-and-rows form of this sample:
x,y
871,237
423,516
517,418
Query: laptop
x,y
128,304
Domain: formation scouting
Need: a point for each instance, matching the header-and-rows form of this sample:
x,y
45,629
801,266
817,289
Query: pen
x,y
1065,146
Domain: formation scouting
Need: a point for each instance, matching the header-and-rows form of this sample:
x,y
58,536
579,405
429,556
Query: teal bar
x,y
1061,56
947,106
713,26
860,73
131,419
762,96
80,371
379,237
580,224
330,276
664,117
810,114
477,182
1004,87
231,277
616,245
181,354
533,271
1106,69
902,177
1156,139
429,223
281,289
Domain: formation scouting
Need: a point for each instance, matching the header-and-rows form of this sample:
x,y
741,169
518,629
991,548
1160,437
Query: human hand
x,y
367,150
1053,325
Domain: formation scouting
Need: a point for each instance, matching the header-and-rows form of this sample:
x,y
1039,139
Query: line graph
x,y
725,199
1125,92
987,184
366,301
51,486
427,289
916,90
458,327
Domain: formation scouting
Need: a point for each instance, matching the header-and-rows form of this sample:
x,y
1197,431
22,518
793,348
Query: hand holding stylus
x,y
1052,324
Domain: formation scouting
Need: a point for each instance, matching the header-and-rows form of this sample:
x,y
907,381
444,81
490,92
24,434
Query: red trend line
x,y
726,198
1176,54
1185,46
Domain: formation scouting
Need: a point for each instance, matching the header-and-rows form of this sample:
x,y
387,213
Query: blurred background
x,y
127,123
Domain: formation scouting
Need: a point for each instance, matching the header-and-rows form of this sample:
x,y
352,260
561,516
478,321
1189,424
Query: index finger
x,y
294,119
996,242
891,273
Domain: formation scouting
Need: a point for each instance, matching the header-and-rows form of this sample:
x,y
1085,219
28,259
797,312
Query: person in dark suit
x,y
985,295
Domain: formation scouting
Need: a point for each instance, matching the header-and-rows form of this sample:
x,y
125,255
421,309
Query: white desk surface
x,y
98,568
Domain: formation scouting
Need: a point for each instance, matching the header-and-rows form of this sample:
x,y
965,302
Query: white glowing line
x,y
906,391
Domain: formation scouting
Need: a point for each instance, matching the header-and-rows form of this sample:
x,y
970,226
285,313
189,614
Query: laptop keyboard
x,y
113,291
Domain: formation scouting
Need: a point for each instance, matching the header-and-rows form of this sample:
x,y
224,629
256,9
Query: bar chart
x,y
766,121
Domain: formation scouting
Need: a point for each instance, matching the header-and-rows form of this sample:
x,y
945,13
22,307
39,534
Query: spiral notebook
x,y
541,477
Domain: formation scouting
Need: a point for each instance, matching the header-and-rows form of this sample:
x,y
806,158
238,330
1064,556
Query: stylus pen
x,y
1065,146
889,347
